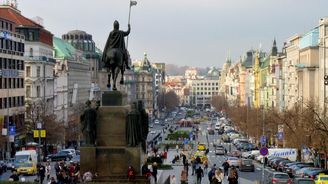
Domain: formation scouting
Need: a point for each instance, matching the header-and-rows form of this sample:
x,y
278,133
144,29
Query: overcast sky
x,y
183,32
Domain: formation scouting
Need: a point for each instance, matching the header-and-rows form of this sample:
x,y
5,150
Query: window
x,y
11,82
1,83
30,36
0,63
38,71
4,63
28,71
28,91
38,91
9,103
1,103
22,83
5,80
31,52
14,83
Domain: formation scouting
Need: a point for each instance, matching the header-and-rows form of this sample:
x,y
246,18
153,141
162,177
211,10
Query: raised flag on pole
x,y
133,3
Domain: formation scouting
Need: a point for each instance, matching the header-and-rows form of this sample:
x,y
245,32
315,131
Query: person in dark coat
x,y
14,176
233,176
225,166
199,174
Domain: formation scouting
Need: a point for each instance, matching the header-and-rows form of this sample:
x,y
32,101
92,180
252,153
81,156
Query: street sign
x,y
263,139
12,130
11,138
43,133
280,136
35,133
264,151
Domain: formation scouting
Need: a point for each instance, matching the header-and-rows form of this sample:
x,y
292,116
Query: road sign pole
x,y
263,170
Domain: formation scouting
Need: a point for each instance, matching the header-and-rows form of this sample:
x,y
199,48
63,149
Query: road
x,y
245,177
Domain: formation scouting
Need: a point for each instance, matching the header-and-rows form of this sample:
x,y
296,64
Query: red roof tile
x,y
14,16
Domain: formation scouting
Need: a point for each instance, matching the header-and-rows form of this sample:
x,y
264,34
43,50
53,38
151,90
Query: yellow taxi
x,y
201,147
27,168
201,155
321,179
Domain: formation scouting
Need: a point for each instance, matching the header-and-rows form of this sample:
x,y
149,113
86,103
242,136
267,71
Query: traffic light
x,y
326,80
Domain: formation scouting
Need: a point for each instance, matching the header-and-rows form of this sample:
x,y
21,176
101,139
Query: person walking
x,y
184,177
193,167
199,174
177,148
48,170
211,174
218,177
41,172
154,173
225,166
233,176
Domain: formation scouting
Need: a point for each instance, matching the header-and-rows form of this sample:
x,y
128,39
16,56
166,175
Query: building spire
x,y
274,49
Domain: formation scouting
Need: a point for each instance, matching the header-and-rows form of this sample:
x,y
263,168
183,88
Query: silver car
x,y
233,161
219,150
279,178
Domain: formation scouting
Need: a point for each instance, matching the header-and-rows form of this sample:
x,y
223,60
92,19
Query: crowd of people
x,y
216,175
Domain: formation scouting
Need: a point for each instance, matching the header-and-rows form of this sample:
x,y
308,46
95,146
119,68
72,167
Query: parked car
x,y
246,165
312,174
282,164
210,131
156,121
10,163
233,161
62,155
321,179
303,181
219,150
3,166
279,177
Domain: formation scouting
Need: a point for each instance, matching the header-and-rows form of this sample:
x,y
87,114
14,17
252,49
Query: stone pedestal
x,y
111,157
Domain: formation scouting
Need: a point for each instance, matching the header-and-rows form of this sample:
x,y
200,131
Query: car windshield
x,y
281,176
324,178
22,158
26,165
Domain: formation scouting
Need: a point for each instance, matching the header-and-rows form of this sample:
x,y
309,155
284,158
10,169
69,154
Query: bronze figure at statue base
x,y
111,156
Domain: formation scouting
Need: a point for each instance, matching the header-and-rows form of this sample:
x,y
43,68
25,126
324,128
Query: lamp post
x,y
39,127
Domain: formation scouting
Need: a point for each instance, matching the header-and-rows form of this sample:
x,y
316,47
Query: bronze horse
x,y
114,64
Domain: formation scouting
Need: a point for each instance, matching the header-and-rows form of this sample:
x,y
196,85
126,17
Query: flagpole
x,y
127,39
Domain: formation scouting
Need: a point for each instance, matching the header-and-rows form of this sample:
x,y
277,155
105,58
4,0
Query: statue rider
x,y
116,40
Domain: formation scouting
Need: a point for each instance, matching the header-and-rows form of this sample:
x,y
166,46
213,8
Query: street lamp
x,y
39,127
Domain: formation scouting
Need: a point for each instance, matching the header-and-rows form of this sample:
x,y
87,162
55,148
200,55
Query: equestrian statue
x,y
115,56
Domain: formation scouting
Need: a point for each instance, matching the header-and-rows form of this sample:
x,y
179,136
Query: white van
x,y
26,162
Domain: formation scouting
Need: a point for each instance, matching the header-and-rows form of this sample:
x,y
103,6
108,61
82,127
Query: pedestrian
x,y
167,147
218,177
14,176
177,148
205,166
225,166
48,170
233,176
199,174
184,158
184,177
87,176
154,173
211,174
265,161
52,181
41,172
193,167
186,166
131,173
173,180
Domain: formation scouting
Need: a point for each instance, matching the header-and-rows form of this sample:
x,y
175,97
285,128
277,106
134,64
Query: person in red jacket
x,y
131,173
